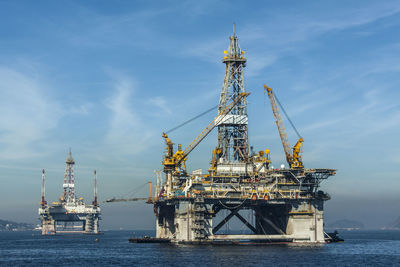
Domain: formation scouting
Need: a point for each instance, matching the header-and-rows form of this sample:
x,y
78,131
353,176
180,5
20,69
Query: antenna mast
x,y
43,202
95,203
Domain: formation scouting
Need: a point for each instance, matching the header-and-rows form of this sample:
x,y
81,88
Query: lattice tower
x,y
69,179
232,132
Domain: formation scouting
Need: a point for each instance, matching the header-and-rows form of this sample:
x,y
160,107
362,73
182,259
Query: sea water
x,y
370,248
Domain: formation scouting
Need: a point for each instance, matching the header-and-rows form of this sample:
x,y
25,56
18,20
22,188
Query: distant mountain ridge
x,y
6,225
346,225
395,224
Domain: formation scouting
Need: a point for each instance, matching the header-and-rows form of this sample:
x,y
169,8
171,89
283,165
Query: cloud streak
x,y
127,133
28,114
159,103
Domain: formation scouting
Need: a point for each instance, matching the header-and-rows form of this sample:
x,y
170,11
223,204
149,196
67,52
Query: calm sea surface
x,y
371,248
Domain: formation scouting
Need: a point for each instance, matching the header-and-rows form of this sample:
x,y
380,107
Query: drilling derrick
x,y
232,132
70,214
69,180
276,205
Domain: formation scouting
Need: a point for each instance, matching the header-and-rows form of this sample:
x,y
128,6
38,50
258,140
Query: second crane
x,y
293,156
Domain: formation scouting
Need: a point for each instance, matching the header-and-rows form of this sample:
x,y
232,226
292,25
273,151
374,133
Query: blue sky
x,y
106,78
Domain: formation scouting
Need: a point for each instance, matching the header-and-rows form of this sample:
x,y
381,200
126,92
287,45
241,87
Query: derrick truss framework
x,y
232,133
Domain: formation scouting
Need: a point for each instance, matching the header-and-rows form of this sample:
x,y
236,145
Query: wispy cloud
x,y
127,132
160,105
28,114
83,109
209,50
324,124
298,32
300,26
259,62
101,30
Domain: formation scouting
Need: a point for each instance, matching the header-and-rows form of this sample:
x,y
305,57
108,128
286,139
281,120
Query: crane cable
x,y
131,193
287,116
195,117
192,119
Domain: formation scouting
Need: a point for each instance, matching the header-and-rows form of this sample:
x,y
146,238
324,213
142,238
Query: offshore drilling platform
x,y
285,204
70,214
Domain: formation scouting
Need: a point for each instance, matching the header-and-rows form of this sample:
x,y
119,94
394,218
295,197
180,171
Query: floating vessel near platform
x,y
285,204
69,215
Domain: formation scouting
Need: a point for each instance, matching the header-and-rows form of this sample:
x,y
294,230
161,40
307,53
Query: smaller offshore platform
x,y
70,214
275,205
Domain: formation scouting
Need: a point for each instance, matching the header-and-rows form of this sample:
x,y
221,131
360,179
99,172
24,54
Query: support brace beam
x,y
224,221
246,223
272,224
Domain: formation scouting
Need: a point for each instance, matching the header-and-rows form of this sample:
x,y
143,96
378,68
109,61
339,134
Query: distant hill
x,y
346,225
395,224
14,226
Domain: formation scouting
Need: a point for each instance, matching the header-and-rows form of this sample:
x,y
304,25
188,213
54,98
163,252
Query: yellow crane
x,y
172,161
293,156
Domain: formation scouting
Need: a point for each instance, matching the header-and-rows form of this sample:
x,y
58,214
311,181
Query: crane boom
x,y
212,125
132,198
293,158
180,156
124,199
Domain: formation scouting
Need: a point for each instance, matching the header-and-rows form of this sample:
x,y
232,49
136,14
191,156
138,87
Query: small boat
x,y
333,237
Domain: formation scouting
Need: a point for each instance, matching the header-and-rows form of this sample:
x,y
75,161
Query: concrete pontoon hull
x,y
275,221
